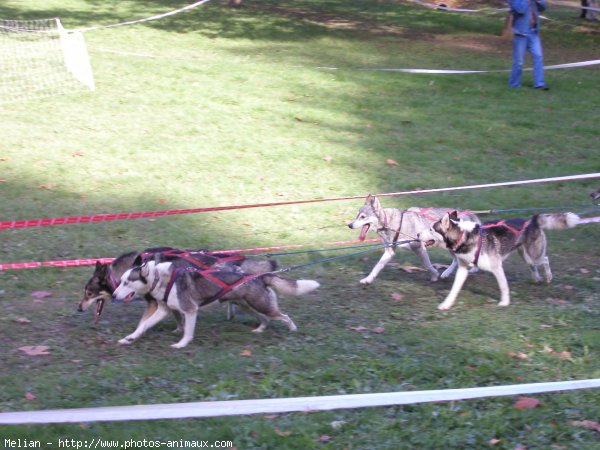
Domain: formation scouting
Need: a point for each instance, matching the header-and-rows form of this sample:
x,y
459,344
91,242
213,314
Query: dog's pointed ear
x,y
144,270
138,261
445,221
453,216
100,268
373,200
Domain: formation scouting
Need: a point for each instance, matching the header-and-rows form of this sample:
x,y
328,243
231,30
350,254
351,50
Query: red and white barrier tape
x,y
280,405
9,224
92,261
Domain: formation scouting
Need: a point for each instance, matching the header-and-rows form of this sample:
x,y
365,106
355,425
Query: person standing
x,y
584,5
526,37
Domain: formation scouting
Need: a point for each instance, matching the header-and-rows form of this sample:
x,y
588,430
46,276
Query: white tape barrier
x,y
147,19
281,405
462,72
442,7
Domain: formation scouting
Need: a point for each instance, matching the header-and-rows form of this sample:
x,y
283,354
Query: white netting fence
x,y
39,58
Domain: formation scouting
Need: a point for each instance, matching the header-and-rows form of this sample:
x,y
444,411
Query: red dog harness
x,y
206,271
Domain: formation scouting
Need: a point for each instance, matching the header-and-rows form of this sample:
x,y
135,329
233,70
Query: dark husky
x,y
185,289
401,225
487,246
106,277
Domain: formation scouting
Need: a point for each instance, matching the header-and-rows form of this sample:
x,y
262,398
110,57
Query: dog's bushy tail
x,y
557,221
287,286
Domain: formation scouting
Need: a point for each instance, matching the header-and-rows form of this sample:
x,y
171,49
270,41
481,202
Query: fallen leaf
x,y
76,154
584,270
518,355
246,352
589,424
41,294
299,119
47,187
378,330
327,158
162,201
278,432
23,320
30,396
324,438
557,301
359,328
391,162
563,355
526,403
35,350
494,441
397,296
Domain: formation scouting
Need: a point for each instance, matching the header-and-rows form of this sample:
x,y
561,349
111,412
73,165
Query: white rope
x,y
586,176
462,72
281,405
147,19
442,7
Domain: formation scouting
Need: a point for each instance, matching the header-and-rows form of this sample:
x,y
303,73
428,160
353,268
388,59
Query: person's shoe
x,y
543,88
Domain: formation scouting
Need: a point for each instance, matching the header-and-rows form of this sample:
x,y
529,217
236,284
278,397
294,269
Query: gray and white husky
x,y
402,225
487,245
106,277
175,287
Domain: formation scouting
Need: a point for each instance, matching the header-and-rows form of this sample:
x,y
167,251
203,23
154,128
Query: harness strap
x,y
502,223
206,274
478,250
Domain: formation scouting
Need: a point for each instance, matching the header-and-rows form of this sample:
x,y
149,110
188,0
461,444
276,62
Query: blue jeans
x,y
533,45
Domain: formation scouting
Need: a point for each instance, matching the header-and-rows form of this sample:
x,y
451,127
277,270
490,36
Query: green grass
x,y
233,106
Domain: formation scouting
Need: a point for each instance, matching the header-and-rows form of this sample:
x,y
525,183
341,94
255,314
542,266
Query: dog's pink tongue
x,y
363,232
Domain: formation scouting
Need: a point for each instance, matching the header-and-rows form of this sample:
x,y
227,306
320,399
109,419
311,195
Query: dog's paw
x,y
504,303
179,344
126,341
444,307
367,280
446,274
434,278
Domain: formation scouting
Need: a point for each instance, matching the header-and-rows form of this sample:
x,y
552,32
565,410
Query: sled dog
x,y
174,286
401,225
487,245
106,277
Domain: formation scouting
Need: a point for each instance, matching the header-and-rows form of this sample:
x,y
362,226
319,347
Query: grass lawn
x,y
270,102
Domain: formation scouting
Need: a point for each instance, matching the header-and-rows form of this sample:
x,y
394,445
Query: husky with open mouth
x,y
401,226
106,277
